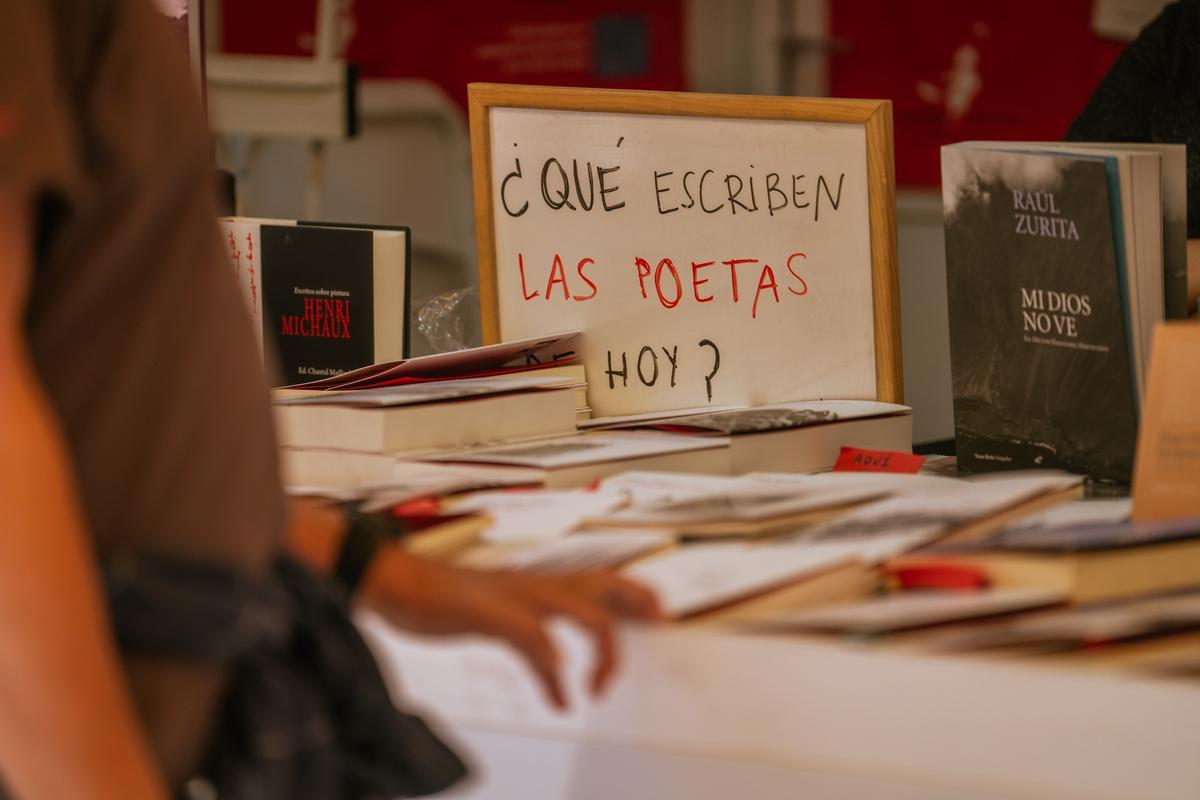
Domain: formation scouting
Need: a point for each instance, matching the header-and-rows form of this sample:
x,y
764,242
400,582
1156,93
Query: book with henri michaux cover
x,y
329,298
1039,337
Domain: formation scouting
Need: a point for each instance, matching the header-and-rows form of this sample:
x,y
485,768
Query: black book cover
x,y
318,300
1038,348
371,226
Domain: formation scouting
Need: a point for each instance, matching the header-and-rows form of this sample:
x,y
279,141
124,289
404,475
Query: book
x,y
1089,511
553,354
525,517
845,552
796,437
718,577
328,299
423,417
1088,562
965,510
545,356
904,611
578,460
582,551
440,536
1045,310
351,475
1167,481
1176,656
728,507
1079,628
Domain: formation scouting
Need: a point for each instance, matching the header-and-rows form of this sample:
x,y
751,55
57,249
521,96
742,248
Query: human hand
x,y
431,598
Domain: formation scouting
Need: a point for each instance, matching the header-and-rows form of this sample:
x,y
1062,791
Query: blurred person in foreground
x,y
1152,94
152,630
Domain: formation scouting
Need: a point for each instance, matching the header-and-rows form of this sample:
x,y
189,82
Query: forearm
x,y
68,727
431,598
315,533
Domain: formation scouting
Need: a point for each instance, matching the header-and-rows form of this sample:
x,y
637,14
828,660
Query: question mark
x,y
716,365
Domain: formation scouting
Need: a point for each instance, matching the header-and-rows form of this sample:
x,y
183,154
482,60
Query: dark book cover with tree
x,y
318,299
1038,345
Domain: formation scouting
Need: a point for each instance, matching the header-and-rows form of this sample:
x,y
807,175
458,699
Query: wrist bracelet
x,y
365,534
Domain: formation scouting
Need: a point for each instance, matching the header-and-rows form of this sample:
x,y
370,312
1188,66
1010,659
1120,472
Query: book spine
x,y
242,246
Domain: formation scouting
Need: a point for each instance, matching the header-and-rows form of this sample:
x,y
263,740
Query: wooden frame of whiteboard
x,y
874,115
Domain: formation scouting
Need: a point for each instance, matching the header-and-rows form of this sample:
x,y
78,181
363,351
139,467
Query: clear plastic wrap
x,y
450,321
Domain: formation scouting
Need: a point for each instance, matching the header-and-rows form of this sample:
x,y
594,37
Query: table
x,y
704,714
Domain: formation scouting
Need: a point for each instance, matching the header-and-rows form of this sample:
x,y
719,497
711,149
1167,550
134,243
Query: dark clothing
x,y
1152,94
307,716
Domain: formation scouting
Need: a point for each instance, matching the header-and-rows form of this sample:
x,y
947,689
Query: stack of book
x,y
345,438
1080,583
741,550
792,437
840,552
583,458
1009,566
787,437
360,427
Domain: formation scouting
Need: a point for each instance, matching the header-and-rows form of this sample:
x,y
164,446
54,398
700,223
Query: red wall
x,y
611,43
1036,63
1026,66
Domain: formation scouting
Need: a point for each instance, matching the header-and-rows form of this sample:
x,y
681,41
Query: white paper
x,y
748,506
703,576
436,391
648,488
847,409
474,359
583,550
949,505
414,479
884,529
878,548
571,451
536,516
886,483
1080,512
657,498
625,420
1101,623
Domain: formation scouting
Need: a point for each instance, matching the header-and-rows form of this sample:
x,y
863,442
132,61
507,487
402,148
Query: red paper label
x,y
852,459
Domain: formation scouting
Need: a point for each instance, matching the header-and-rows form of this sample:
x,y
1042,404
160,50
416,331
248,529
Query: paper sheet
x,y
536,516
702,576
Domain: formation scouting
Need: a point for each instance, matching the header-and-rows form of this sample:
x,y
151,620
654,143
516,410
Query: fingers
x,y
523,630
621,597
556,598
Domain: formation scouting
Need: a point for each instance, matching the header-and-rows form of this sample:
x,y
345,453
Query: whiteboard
x,y
709,260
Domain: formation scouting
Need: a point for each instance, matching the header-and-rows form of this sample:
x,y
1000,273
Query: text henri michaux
x,y
581,186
